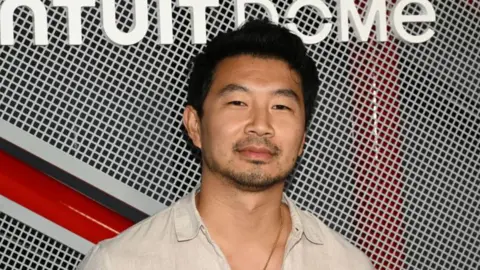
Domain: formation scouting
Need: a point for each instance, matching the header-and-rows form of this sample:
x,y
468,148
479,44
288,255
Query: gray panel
x,y
23,247
441,97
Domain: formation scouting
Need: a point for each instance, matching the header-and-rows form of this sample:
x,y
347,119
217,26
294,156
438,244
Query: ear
x,y
300,151
191,121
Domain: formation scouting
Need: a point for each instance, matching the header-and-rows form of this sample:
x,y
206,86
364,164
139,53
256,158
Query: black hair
x,y
258,38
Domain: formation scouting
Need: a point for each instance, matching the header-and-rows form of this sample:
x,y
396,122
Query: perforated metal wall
x,y
23,247
392,155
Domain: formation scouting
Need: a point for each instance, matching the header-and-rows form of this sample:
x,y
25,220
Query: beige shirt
x,y
176,238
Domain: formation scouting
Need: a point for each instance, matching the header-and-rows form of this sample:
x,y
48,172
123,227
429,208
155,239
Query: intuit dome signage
x,y
347,13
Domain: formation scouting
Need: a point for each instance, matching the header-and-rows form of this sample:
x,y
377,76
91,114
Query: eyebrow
x,y
232,88
289,93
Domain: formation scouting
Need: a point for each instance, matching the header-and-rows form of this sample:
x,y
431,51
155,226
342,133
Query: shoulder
x,y
341,251
139,237
150,236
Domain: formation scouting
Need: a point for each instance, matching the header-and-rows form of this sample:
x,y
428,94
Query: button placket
x,y
293,240
224,263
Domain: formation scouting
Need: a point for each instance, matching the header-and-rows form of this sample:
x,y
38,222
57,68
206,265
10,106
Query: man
x,y
251,95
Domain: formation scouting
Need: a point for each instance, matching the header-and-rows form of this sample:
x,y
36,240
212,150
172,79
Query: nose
x,y
260,123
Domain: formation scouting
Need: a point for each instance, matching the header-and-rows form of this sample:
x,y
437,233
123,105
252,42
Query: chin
x,y
257,162
254,179
256,186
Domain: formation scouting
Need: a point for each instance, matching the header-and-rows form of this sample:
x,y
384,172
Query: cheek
x,y
291,140
219,135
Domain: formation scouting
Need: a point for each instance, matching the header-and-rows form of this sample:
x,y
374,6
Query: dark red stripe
x,y
56,202
378,172
474,3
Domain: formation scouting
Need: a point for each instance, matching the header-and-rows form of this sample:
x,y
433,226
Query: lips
x,y
256,152
257,149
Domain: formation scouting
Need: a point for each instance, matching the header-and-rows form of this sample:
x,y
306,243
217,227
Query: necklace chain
x,y
276,240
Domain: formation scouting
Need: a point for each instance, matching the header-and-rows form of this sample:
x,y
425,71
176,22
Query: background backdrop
x,y
391,162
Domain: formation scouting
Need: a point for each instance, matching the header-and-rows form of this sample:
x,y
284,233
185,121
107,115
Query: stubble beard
x,y
254,180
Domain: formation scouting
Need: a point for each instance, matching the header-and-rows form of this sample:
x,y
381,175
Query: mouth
x,y
256,153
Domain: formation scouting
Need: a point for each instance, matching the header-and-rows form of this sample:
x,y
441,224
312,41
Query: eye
x,y
281,107
237,103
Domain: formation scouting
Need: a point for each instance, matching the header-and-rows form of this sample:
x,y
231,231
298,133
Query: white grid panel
x,y
392,154
23,247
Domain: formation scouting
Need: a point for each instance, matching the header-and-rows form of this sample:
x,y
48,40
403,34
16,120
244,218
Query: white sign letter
x,y
376,11
321,8
74,19
240,10
119,37
165,26
198,13
39,21
397,18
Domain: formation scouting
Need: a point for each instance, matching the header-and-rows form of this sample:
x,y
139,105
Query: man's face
x,y
252,129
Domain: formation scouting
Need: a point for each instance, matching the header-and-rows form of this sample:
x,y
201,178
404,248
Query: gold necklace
x,y
276,240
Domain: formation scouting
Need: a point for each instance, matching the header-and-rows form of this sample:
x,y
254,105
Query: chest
x,y
252,260
198,254
303,255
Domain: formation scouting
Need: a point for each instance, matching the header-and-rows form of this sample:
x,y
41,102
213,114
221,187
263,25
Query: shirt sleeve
x,y
96,259
355,258
365,263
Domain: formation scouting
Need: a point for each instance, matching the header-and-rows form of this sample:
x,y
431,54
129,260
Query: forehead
x,y
256,73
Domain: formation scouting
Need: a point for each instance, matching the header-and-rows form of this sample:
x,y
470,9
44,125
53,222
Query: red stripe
x,y
58,203
378,172
474,3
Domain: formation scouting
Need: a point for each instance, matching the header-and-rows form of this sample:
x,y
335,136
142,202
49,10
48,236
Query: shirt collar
x,y
303,223
188,221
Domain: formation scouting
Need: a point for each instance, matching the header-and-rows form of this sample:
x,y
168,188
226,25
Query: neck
x,y
236,215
